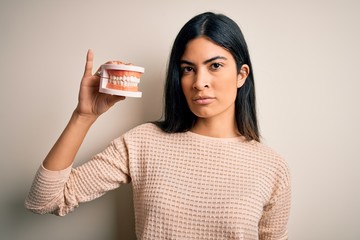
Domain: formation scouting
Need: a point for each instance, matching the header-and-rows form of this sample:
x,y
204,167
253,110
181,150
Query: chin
x,y
202,114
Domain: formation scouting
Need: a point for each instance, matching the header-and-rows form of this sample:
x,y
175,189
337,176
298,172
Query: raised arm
x,y
91,104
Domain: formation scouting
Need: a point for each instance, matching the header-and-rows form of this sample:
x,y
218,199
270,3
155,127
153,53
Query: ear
x,y
244,72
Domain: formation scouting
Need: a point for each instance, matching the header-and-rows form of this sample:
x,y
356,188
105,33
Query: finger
x,y
98,72
116,62
89,63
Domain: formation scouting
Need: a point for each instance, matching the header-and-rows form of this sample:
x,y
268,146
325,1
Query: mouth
x,y
203,100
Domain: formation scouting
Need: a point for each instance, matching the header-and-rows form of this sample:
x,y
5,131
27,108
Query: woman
x,y
199,173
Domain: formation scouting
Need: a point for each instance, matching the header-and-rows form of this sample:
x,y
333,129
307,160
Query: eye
x,y
187,69
216,66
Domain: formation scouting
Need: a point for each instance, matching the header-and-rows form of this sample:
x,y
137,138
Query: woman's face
x,y
210,79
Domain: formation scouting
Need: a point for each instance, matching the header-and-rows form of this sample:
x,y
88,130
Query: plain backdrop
x,y
306,63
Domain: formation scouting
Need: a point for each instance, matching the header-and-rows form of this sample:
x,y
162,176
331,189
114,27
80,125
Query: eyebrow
x,y
205,62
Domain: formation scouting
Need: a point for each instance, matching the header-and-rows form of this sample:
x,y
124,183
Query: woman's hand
x,y
91,102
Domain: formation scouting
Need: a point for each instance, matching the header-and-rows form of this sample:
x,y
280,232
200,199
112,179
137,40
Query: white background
x,y
306,64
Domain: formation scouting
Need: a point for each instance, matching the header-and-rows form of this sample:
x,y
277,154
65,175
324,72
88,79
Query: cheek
x,y
226,85
227,90
186,86
230,95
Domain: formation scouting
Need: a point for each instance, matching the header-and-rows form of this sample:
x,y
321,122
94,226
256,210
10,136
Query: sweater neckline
x,y
219,139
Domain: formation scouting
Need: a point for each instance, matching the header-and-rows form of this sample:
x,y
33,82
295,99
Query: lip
x,y
203,100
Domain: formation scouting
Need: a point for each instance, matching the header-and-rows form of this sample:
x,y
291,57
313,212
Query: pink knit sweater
x,y
185,186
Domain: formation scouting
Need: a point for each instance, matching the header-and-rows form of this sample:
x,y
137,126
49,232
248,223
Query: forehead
x,y
202,48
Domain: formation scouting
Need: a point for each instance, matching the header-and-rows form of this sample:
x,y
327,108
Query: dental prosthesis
x,y
121,79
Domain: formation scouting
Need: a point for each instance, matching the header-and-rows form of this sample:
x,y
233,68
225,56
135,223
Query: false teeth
x,y
121,79
124,79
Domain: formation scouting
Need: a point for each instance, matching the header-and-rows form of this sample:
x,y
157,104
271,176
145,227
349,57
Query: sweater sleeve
x,y
60,192
273,224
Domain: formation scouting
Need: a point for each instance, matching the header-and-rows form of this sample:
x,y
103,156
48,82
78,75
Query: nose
x,y
201,80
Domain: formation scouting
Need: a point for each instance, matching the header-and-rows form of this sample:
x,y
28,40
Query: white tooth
x,y
136,80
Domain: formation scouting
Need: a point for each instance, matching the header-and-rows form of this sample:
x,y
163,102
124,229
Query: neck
x,y
218,129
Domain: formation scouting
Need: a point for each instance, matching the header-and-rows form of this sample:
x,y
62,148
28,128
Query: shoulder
x,y
142,133
262,150
144,129
272,161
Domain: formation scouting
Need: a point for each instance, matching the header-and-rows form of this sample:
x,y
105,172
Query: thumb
x,y
89,63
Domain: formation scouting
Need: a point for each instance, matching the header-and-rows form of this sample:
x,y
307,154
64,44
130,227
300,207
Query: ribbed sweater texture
x,y
185,185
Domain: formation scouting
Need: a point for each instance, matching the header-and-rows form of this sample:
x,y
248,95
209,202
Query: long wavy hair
x,y
177,116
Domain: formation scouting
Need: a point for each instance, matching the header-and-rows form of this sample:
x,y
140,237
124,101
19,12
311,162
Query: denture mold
x,y
121,79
